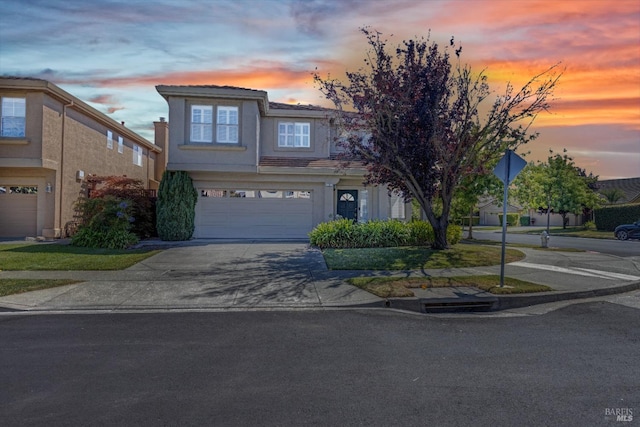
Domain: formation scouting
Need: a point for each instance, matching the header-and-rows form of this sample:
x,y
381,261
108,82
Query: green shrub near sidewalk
x,y
344,233
107,225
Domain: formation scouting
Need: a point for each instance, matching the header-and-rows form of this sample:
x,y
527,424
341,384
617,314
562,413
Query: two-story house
x,y
50,141
265,169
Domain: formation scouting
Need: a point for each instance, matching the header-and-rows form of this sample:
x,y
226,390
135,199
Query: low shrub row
x,y
344,233
609,217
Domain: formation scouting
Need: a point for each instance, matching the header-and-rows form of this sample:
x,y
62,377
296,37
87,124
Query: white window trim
x,y
137,155
109,140
120,145
227,131
18,107
299,138
198,129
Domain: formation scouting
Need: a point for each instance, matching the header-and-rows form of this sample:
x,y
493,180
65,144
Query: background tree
x,y
558,186
468,193
419,127
612,195
175,208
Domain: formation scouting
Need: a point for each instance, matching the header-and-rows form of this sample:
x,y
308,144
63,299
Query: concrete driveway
x,y
202,274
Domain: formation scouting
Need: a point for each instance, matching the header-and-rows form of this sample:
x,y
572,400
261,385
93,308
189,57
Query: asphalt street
x,y
574,366
626,248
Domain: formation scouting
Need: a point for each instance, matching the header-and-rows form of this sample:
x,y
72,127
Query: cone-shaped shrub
x,y
175,208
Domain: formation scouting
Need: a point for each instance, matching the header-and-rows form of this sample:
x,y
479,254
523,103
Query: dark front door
x,y
348,204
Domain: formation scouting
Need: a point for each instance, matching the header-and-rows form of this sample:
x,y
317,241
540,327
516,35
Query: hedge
x,y
609,217
344,233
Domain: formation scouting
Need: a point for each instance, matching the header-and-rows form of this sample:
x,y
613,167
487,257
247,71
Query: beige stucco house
x,y
50,141
264,169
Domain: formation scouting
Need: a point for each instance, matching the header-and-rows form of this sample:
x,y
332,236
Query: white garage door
x,y
18,211
253,214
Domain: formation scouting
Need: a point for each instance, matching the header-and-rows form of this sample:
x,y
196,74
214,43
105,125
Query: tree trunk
x,y
440,237
470,237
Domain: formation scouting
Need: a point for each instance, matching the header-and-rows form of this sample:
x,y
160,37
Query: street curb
x,y
517,301
502,302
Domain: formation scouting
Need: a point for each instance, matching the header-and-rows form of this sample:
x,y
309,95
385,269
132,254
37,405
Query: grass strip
x,y
518,245
397,287
416,258
29,256
18,286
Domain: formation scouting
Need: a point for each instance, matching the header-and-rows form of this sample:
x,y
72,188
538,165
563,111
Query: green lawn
x,y
54,256
415,258
388,287
574,232
17,286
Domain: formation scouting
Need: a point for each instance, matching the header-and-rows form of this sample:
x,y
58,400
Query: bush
x,y
589,225
609,217
525,220
175,208
512,219
454,234
421,233
123,188
108,223
344,233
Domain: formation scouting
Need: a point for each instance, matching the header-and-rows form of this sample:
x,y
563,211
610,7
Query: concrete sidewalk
x,y
208,274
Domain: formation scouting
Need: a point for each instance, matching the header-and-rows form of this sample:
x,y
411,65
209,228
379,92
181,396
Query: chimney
x,y
161,129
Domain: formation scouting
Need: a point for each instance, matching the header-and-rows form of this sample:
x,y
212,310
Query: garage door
x,y
253,214
18,211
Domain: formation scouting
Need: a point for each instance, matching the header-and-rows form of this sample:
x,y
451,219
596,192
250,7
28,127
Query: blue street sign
x,y
512,163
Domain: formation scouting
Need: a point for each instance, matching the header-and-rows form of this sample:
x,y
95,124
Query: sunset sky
x,y
112,54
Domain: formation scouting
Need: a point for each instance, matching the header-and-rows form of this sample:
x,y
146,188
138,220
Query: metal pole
x,y
505,197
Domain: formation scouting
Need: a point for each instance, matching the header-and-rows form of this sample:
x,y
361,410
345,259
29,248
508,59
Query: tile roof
x,y
282,106
629,186
305,162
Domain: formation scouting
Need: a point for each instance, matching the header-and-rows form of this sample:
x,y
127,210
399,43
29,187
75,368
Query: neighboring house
x,y
490,211
629,186
49,142
265,169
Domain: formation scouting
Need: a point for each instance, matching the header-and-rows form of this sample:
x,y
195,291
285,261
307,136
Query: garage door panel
x,y
18,215
253,218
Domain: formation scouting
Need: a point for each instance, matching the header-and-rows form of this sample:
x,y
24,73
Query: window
x,y
13,117
109,139
294,134
120,145
227,125
137,155
201,123
256,194
397,206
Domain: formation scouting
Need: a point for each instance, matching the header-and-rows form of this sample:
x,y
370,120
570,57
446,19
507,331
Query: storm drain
x,y
438,306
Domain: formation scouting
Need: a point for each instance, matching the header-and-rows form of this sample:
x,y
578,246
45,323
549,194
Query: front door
x,y
348,204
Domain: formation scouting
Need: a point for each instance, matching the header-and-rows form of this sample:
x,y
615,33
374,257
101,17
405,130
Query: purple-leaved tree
x,y
416,121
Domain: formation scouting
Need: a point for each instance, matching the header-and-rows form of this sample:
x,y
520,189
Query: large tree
x,y
557,185
417,122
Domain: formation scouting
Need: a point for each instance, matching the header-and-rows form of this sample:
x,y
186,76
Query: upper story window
x,y
13,117
201,123
109,139
292,134
120,145
227,125
137,155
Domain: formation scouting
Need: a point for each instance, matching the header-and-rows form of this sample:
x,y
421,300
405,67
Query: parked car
x,y
628,231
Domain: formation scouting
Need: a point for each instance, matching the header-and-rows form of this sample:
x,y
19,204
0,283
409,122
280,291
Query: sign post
x,y
507,168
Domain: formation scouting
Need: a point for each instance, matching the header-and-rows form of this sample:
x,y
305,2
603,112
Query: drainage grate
x,y
454,306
